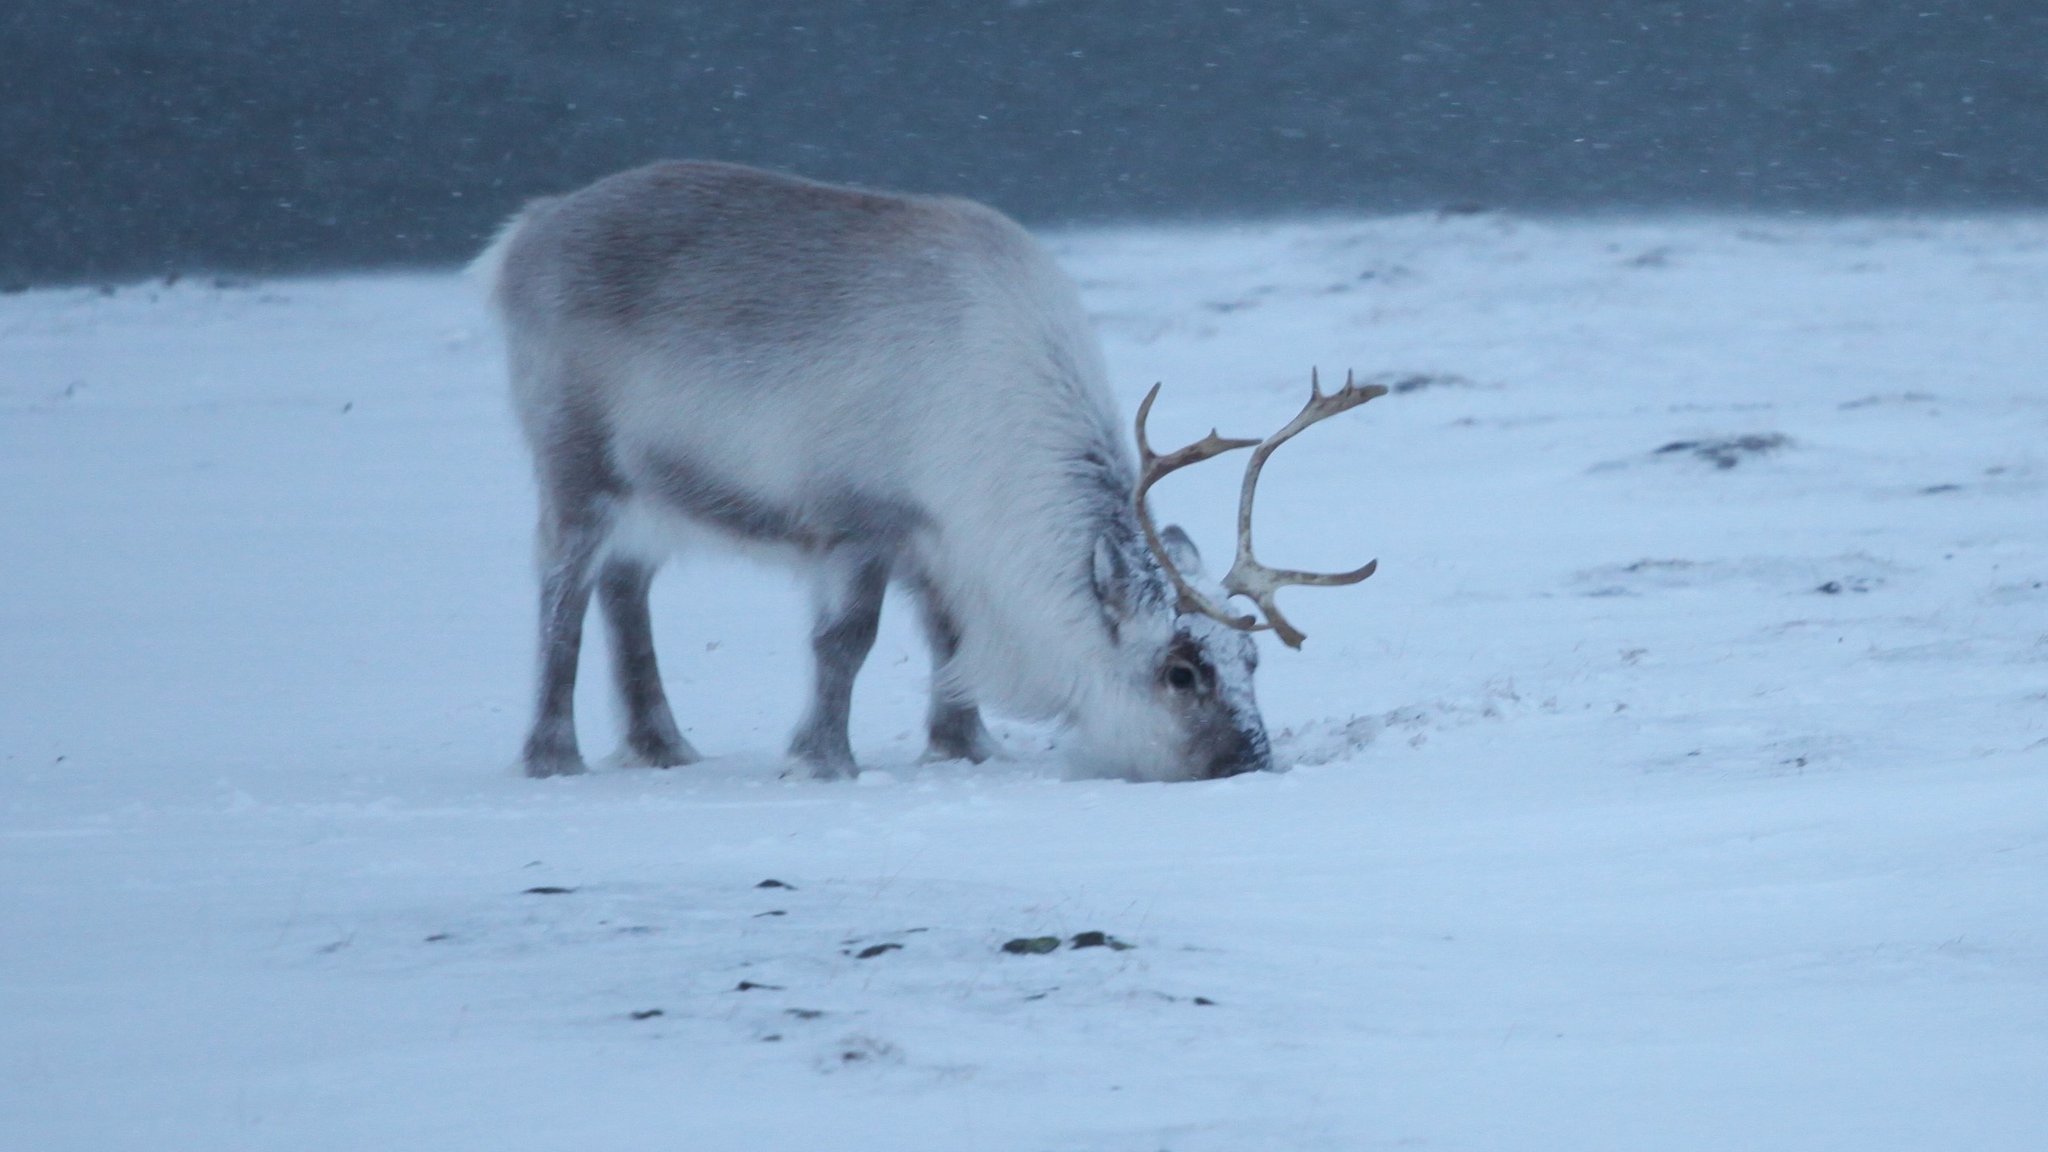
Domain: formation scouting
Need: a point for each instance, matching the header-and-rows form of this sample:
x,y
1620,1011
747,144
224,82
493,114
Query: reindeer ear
x,y
1181,551
1111,575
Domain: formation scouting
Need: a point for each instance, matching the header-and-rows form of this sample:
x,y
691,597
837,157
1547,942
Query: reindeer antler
x,y
1247,576
1151,468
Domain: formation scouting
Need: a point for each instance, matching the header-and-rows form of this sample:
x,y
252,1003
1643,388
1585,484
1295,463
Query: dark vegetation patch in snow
x,y
1046,945
1420,381
1880,400
1727,452
859,1048
1100,940
1853,572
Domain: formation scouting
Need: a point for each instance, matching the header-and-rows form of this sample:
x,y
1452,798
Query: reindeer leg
x,y
652,738
579,491
953,724
849,592
569,543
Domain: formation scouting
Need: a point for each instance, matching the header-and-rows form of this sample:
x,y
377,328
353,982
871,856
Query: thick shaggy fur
x,y
814,372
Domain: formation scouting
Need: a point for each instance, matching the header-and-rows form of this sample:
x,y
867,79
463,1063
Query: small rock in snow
x,y
1100,940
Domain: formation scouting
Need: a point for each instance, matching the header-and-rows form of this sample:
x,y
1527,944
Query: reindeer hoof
x,y
959,735
541,767
976,751
834,769
824,751
643,751
825,772
551,751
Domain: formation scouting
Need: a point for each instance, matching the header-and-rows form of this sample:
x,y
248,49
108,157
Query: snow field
x,y
1677,782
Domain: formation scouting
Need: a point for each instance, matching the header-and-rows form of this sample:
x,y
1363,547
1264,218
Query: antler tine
x,y
1248,577
1151,467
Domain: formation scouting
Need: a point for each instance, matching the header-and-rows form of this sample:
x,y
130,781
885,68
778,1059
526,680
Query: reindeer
x,y
876,388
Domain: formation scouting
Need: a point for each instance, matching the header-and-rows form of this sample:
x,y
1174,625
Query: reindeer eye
x,y
1182,676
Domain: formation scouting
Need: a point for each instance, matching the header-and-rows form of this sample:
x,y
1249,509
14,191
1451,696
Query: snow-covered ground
x,y
1680,782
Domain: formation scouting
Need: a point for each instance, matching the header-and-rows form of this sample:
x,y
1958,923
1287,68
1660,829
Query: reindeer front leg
x,y
848,589
953,724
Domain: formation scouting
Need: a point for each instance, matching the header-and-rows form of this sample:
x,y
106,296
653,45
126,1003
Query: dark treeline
x,y
295,134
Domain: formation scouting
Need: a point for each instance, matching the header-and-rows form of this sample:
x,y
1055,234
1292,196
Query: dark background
x,y
139,138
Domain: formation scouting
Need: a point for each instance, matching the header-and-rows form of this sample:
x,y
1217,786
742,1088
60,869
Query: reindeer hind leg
x,y
578,501
652,738
569,543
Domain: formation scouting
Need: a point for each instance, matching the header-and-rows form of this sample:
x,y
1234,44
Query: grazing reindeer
x,y
877,388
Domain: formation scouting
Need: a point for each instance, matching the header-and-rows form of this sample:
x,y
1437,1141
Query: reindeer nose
x,y
1248,753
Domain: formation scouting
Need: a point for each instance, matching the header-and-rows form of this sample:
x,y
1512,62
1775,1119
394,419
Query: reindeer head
x,y
1184,706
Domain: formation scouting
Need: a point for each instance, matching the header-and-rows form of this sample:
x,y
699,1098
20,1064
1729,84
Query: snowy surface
x,y
1646,799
